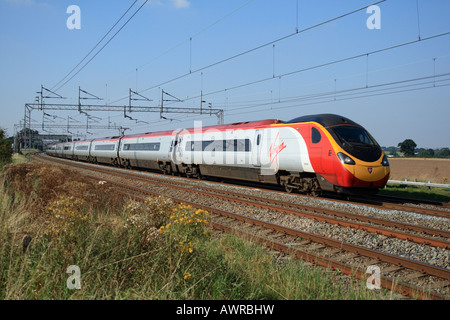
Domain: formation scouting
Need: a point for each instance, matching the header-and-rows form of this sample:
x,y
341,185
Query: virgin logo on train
x,y
276,149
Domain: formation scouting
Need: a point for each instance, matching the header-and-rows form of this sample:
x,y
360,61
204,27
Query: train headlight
x,y
345,159
385,162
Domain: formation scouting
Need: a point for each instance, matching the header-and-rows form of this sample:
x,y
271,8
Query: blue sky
x,y
338,67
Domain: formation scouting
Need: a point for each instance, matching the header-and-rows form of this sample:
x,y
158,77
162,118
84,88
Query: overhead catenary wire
x,y
187,40
98,43
270,43
348,94
238,105
318,66
120,29
329,97
378,88
406,85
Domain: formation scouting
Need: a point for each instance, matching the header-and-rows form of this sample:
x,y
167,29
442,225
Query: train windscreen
x,y
353,135
357,142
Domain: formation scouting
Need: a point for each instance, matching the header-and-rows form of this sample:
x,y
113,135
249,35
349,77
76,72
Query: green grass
x,y
130,250
18,158
417,192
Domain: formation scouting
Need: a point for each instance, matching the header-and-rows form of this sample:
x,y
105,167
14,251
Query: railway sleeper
x,y
440,284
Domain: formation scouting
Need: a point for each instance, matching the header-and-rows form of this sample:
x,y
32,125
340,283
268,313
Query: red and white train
x,y
309,154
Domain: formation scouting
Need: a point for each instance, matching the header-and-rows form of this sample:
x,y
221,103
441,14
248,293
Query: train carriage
x,y
105,150
67,150
220,152
51,150
150,151
59,150
82,150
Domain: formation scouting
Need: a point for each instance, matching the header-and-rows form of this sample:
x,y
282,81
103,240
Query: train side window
x,y
315,135
258,139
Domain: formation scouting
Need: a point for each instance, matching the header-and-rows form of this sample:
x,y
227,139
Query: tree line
x,y
6,150
408,148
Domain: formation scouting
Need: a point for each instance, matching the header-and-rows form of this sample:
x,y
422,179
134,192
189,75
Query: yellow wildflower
x,y
187,275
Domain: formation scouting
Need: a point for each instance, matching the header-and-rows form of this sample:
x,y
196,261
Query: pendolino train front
x,y
309,154
342,157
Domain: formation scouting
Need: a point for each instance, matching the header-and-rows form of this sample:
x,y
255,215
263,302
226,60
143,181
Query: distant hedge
x,y
6,150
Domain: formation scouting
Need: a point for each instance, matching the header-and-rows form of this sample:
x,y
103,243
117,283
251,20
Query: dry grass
x,y
41,184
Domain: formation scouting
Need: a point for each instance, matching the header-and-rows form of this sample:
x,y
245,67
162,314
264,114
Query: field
x,y
420,169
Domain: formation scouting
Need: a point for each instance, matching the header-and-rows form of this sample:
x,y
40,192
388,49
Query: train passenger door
x,y
89,157
316,149
117,161
176,149
256,150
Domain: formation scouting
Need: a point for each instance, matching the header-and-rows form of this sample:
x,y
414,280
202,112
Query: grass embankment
x,y
417,192
51,218
18,158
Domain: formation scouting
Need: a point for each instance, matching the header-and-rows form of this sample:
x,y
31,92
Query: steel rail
x,y
413,200
343,214
385,282
395,205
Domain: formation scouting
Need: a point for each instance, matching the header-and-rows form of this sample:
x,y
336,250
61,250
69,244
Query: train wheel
x,y
168,171
197,174
316,191
288,189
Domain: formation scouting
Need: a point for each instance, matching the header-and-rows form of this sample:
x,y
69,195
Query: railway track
x,y
439,238
412,205
435,208
403,201
306,246
404,274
